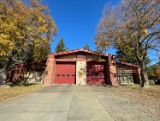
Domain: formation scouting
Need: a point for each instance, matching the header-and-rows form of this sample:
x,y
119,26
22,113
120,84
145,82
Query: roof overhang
x,y
80,51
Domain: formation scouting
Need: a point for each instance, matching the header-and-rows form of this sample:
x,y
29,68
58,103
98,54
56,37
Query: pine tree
x,y
60,46
86,47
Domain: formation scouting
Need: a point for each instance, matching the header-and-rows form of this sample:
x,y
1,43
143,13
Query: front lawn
x,y
11,92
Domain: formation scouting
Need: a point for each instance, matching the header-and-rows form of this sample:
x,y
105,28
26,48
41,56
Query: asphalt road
x,y
56,103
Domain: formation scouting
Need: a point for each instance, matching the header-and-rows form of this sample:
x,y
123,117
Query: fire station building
x,y
83,67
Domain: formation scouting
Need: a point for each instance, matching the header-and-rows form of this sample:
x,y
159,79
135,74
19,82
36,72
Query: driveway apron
x,y
56,103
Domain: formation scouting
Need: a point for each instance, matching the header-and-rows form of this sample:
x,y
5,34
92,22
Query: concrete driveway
x,y
63,103
56,103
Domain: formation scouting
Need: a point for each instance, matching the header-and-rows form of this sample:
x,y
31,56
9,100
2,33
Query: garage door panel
x,y
95,73
65,73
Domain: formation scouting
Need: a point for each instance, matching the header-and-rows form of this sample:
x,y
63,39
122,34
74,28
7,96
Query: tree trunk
x,y
143,74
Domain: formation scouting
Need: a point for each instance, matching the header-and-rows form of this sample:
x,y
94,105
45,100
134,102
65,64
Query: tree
x,y
123,57
25,32
86,47
129,57
60,46
153,70
133,27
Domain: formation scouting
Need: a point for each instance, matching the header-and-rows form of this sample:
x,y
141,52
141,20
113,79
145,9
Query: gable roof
x,y
92,53
78,51
128,64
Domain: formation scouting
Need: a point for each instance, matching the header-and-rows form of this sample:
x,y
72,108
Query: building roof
x,y
92,53
128,64
79,50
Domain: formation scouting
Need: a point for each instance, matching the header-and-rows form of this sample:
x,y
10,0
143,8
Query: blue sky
x,y
77,20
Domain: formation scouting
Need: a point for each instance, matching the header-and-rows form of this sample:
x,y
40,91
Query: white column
x,y
81,73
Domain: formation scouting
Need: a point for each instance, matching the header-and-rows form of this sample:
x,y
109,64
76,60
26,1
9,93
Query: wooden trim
x,y
76,51
66,60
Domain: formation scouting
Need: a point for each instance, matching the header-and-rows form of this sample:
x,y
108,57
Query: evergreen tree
x,y
129,57
60,46
86,47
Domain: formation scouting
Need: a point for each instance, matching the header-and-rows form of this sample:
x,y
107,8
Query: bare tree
x,y
133,27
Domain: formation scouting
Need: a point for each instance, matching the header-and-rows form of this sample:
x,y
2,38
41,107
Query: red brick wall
x,y
50,70
112,71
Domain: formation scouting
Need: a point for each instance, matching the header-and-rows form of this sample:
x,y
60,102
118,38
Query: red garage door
x,y
95,73
65,73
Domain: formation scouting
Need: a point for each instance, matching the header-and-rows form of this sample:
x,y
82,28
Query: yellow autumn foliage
x,y
24,28
145,31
